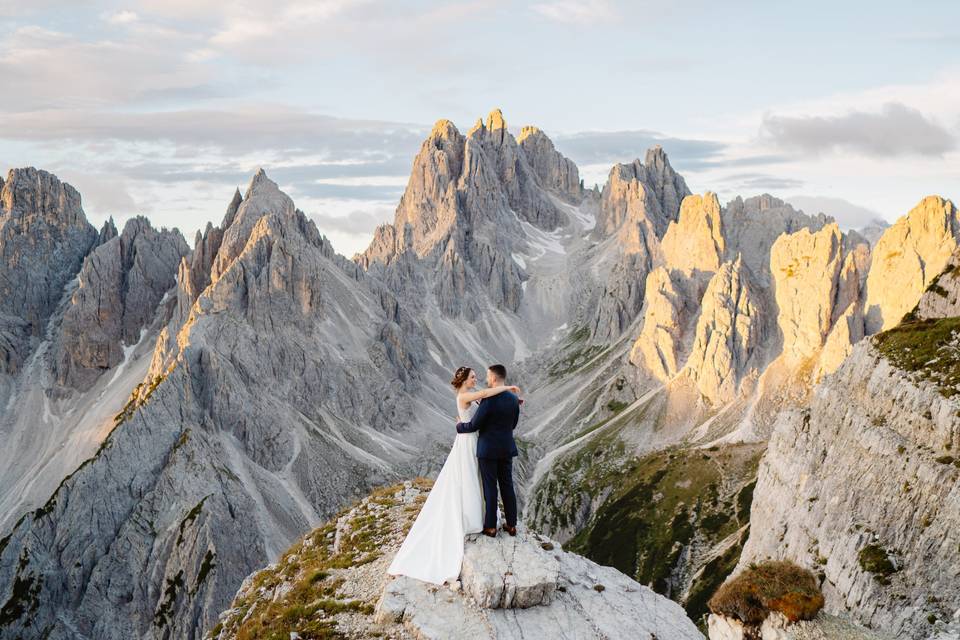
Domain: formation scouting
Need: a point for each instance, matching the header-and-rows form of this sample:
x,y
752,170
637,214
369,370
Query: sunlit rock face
x,y
694,243
805,268
752,225
728,335
645,193
659,346
906,258
942,296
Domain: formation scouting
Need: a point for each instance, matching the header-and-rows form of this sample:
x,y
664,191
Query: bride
x,y
433,550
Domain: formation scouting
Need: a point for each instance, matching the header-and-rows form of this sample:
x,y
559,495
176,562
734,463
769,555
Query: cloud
x,y
896,130
251,129
760,181
56,70
120,17
576,11
847,214
356,222
348,223
609,147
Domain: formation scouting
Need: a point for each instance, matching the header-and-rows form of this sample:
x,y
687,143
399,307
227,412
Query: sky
x,y
164,107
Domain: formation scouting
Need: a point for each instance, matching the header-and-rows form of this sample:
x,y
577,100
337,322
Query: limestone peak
x,y
495,120
444,129
529,131
261,183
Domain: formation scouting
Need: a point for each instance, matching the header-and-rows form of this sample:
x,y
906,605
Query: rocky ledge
x,y
777,627
333,584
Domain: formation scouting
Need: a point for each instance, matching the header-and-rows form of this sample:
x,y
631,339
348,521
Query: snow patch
x,y
127,353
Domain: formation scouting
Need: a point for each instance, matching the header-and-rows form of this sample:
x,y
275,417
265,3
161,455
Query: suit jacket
x,y
495,419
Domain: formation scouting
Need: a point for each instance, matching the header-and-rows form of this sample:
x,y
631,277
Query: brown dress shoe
x,y
490,532
511,530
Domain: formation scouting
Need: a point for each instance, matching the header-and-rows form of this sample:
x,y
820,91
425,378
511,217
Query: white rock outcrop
x,y
528,588
777,627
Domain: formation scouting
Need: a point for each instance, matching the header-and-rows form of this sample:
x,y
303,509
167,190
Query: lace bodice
x,y
466,414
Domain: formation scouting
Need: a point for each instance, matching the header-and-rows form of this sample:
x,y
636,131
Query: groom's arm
x,y
477,421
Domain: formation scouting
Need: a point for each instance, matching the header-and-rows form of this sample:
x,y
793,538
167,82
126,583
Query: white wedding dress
x,y
433,550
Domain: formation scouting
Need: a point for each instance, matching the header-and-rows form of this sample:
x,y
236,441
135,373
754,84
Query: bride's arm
x,y
470,396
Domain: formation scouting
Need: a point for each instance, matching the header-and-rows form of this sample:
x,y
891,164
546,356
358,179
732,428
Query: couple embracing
x,y
464,496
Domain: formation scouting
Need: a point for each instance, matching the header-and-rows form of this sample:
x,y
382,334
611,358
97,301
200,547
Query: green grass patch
x,y
656,506
616,406
926,349
311,568
874,559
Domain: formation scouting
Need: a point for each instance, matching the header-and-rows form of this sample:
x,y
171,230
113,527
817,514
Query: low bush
x,y
766,587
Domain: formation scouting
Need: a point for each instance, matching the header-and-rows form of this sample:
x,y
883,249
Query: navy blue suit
x,y
495,420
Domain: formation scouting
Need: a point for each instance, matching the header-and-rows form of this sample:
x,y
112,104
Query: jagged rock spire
x,y
646,193
120,285
728,335
45,237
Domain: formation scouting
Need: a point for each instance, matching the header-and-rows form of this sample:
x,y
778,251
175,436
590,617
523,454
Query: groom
x,y
495,419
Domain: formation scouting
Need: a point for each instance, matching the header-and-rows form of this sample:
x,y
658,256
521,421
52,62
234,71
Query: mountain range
x,y
706,384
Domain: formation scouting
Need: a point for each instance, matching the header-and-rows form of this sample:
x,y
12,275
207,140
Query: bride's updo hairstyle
x,y
460,376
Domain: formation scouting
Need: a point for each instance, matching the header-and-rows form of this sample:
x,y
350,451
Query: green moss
x,y
182,440
190,517
923,349
580,334
874,559
205,568
24,597
745,501
138,397
616,406
576,360
165,610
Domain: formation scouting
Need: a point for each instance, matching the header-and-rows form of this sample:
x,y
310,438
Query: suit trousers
x,y
493,472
